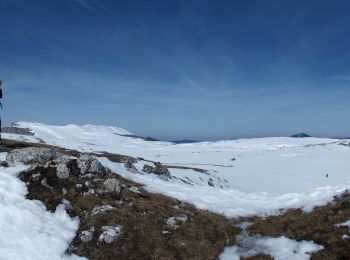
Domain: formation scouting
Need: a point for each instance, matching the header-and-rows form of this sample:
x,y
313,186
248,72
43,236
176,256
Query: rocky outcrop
x,y
112,184
16,130
158,169
36,155
89,164
110,233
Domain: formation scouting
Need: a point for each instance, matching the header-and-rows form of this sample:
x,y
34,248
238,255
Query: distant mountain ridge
x,y
300,135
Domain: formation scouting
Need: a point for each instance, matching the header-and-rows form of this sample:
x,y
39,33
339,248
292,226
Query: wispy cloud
x,y
209,92
85,4
344,78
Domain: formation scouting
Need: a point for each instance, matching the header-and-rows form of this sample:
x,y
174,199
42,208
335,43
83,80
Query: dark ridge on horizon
x,y
300,135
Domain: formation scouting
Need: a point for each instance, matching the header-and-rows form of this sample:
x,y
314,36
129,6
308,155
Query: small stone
x,y
44,183
87,235
174,222
89,192
67,204
112,184
47,165
36,176
110,234
100,209
148,169
134,189
62,171
129,164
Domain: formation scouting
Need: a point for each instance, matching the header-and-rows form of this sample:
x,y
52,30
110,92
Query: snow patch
x,y
28,231
281,248
345,224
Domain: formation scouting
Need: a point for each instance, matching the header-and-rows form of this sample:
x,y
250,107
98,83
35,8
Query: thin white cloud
x,y
85,4
208,92
346,78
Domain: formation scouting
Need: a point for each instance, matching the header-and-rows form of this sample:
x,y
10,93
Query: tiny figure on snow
x,y
326,175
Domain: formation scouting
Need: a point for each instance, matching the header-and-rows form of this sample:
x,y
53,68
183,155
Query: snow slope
x,y
246,176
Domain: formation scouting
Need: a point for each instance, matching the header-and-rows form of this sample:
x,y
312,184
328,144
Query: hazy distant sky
x,y
198,69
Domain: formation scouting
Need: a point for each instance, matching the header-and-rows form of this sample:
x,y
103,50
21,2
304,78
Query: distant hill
x,y
149,139
300,135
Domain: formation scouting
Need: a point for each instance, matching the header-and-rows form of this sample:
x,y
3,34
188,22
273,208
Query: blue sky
x,y
179,69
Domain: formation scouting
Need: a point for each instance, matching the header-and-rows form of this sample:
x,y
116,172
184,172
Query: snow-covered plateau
x,y
235,178
232,177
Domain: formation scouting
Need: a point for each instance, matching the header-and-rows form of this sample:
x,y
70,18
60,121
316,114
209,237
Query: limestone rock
x,y
112,184
87,235
110,233
158,169
89,164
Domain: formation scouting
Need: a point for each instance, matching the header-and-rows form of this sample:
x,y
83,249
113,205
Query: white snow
x,y
250,176
3,156
281,248
28,230
345,224
230,202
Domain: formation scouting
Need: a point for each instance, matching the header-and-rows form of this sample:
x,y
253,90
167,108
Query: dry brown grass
x,y
142,215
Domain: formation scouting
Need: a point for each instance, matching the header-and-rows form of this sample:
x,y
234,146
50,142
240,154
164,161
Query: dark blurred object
x,y
1,142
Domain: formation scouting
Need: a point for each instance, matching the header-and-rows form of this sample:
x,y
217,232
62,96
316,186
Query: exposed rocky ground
x,y
121,220
16,130
118,218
